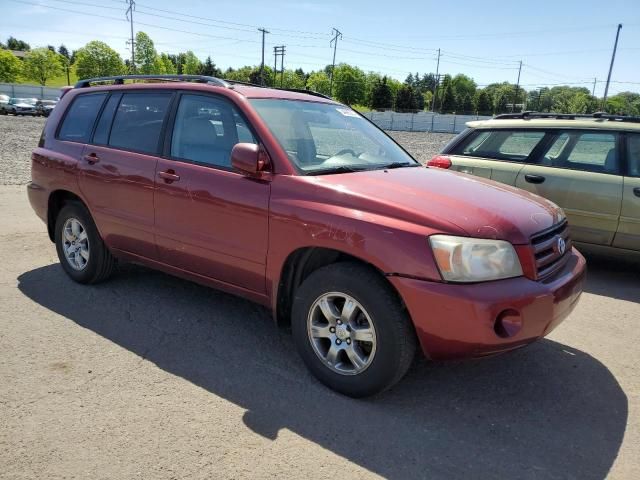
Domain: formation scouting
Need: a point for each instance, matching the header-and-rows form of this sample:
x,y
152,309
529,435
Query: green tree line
x,y
350,84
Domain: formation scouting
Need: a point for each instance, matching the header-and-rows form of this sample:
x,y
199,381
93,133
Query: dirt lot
x,y
147,376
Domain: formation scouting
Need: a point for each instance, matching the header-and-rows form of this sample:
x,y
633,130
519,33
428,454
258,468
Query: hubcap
x,y
75,244
341,333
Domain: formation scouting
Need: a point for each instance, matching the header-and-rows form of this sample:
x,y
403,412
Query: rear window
x,y
138,121
511,145
79,120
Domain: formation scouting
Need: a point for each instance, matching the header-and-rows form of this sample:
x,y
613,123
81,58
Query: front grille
x,y
546,249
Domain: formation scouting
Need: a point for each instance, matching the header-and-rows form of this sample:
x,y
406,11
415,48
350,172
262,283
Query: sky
x,y
558,42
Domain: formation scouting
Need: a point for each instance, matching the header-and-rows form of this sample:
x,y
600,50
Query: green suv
x,y
587,164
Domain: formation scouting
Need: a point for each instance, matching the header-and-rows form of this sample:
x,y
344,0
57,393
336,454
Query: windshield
x,y
322,138
28,101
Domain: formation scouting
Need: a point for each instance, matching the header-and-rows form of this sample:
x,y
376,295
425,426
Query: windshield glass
x,y
322,138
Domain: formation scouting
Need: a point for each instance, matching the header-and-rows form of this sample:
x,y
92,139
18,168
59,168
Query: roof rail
x,y
298,90
568,116
119,79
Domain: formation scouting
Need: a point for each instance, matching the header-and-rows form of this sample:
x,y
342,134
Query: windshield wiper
x,y
397,165
338,169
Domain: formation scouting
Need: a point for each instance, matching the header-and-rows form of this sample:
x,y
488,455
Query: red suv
x,y
299,203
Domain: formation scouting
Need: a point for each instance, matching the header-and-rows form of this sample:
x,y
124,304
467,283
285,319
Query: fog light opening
x,y
508,323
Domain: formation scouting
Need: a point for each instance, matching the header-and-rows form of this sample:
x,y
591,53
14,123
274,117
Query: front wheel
x,y
351,330
82,253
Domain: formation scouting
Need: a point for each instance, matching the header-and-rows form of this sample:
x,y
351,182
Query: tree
x,y
97,59
419,99
405,99
464,103
349,84
319,82
41,64
191,64
483,103
381,95
446,95
146,55
167,65
10,66
463,86
15,44
209,68
63,51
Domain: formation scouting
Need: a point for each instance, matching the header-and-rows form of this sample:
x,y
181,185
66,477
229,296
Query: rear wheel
x,y
82,253
351,330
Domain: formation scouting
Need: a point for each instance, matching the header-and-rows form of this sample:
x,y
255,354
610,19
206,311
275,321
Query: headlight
x,y
462,259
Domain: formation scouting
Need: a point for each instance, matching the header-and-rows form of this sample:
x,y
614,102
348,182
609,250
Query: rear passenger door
x,y
580,171
497,154
628,234
210,219
118,169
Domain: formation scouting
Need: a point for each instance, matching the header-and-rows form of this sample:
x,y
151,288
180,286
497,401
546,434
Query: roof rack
x,y
298,90
568,116
119,79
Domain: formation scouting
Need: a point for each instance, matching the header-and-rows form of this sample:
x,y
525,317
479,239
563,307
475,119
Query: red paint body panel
x,y
458,320
213,222
232,232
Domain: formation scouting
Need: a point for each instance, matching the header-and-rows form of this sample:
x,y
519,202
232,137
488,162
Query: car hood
x,y
439,198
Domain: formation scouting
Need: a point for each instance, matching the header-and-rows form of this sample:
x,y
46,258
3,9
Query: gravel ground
x,y
20,135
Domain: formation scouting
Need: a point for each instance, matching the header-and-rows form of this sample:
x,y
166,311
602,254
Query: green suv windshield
x,y
322,138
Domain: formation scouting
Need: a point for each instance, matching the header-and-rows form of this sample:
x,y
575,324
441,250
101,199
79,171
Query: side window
x,y
206,129
79,120
138,121
511,145
587,151
633,154
101,135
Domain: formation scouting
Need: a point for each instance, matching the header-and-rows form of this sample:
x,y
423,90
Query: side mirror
x,y
249,159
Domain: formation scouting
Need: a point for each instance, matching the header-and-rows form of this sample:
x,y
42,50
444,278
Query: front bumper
x,y
457,320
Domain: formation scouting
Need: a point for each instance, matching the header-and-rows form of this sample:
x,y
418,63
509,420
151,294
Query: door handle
x,y
91,158
534,178
636,191
169,176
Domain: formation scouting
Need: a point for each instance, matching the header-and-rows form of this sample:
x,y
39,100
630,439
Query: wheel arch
x,y
57,200
303,261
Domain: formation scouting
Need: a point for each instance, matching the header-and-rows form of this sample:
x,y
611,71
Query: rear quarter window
x,y
633,154
80,117
510,145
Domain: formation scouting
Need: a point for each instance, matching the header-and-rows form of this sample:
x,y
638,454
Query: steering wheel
x,y
345,150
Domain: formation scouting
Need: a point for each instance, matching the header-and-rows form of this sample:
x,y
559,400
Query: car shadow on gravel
x,y
547,411
613,275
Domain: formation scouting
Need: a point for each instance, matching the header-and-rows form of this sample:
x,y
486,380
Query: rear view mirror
x,y
249,159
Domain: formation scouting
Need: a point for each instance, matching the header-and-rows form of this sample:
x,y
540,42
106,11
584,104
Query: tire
x,y
378,316
91,265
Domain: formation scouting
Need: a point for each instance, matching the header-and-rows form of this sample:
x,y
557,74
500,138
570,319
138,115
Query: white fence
x,y
29,91
421,121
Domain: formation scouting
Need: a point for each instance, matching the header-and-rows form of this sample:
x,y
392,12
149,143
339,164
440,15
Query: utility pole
x,y
262,63
515,96
435,88
278,52
593,92
129,14
613,57
334,42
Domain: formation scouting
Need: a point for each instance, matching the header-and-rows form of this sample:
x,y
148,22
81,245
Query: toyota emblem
x,y
562,246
